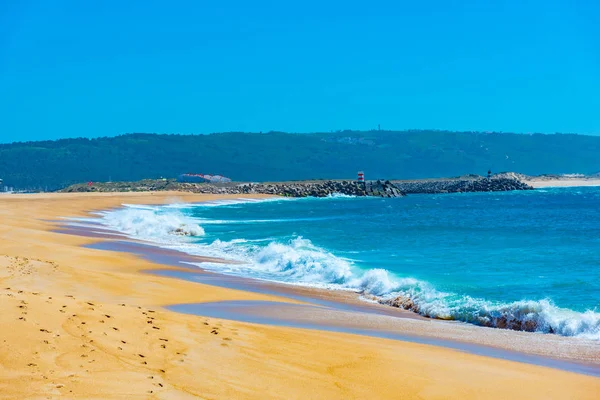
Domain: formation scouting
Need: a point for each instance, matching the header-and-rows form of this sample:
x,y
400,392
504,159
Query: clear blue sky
x,y
102,68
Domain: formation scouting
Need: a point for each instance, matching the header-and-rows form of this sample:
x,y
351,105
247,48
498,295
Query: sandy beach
x,y
79,322
543,182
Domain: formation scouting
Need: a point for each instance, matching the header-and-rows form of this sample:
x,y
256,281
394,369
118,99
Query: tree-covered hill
x,y
280,156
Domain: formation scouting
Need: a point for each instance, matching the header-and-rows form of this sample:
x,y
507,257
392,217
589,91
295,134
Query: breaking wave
x,y
151,223
298,261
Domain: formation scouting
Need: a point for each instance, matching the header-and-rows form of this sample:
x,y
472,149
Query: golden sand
x,y
83,323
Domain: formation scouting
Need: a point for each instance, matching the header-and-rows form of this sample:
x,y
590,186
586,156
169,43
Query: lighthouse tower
x,y
361,176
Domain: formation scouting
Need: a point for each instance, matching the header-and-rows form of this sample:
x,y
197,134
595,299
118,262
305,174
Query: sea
x,y
522,260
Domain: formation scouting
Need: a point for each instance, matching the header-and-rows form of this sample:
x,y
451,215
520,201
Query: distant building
x,y
202,178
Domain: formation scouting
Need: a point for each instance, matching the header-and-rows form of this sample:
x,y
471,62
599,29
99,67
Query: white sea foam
x,y
299,261
151,224
340,196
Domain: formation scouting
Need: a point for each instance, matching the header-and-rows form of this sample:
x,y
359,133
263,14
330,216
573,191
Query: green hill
x,y
278,156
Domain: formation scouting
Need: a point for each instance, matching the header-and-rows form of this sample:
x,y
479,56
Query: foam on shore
x,y
298,261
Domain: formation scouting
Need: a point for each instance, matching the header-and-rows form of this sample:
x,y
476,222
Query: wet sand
x,y
88,323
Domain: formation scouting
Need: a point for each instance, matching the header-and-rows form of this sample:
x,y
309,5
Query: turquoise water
x,y
494,259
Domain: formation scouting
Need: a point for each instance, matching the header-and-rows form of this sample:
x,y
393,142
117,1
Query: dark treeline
x,y
280,156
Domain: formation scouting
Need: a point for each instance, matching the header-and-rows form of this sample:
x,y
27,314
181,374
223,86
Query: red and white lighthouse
x,y
361,176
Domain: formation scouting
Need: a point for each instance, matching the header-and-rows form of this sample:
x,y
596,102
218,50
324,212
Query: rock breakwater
x,y
286,189
460,185
377,188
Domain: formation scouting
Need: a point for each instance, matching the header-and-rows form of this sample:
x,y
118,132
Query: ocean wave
x,y
299,261
151,224
525,315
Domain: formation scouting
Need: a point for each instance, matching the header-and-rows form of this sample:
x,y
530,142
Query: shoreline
x,y
401,302
45,269
446,333
336,310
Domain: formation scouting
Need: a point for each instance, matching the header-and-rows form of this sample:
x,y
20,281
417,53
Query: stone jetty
x,y
462,185
325,188
286,189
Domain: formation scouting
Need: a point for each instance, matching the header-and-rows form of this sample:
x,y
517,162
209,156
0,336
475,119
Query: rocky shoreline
x,y
326,188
